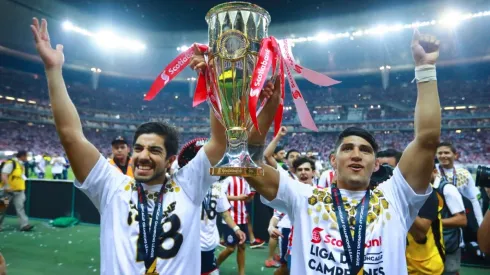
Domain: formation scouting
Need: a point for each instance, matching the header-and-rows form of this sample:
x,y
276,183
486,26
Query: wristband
x,y
425,73
236,228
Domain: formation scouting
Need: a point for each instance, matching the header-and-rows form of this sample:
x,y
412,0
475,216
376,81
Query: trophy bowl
x,y
235,31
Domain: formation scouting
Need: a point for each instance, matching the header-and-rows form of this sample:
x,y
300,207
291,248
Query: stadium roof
x,y
168,24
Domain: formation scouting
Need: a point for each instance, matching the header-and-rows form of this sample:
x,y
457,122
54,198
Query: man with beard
x,y
350,228
148,225
120,156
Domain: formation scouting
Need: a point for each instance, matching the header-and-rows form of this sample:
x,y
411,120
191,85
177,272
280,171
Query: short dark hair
x,y
447,144
302,160
21,153
390,153
278,149
169,133
356,131
291,151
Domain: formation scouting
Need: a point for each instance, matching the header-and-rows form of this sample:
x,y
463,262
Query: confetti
x,y
56,251
59,264
92,259
69,242
95,270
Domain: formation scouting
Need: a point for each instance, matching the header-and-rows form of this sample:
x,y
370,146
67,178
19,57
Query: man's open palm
x,y
52,58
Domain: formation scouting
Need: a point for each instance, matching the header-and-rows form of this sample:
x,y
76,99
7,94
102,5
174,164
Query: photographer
x,y
483,180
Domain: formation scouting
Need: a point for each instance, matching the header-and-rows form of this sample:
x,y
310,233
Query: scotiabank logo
x,y
263,66
254,92
298,68
181,62
297,94
164,77
316,237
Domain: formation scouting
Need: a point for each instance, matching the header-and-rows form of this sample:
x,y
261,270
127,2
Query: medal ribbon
x,y
149,236
355,260
443,174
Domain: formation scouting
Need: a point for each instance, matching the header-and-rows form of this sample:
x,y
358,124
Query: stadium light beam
x,y
9,98
21,100
67,26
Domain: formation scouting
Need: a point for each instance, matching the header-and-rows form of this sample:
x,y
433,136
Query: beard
x,y
147,179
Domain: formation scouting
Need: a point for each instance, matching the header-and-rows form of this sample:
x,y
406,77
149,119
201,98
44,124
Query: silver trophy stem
x,y
236,161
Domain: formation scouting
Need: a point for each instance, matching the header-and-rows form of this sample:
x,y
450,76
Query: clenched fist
x,y
425,49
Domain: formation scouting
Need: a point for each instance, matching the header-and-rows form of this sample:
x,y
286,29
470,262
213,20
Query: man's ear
x,y
170,161
333,161
376,165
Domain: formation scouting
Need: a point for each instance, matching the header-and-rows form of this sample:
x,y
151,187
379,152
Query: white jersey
x,y
57,165
466,186
283,219
326,178
317,244
40,164
116,197
237,186
214,202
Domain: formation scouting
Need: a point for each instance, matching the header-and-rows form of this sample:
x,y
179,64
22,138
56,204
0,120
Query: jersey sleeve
x,y
403,198
453,199
8,167
194,178
289,194
430,208
472,193
222,203
102,183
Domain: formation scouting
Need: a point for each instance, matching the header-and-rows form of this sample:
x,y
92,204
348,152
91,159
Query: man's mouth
x,y
356,167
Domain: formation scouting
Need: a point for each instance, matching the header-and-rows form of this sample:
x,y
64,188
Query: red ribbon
x,y
259,75
173,69
280,109
271,53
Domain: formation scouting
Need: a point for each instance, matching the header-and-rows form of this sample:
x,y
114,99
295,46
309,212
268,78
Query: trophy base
x,y
236,171
236,160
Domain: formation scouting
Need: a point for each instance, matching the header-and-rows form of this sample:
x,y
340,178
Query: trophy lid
x,y
230,6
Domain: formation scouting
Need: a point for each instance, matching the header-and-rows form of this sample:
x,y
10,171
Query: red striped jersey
x,y
236,187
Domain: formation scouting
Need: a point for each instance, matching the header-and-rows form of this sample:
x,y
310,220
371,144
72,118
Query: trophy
x,y
235,32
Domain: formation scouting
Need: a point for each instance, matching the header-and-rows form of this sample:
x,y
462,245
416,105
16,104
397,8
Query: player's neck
x,y
352,187
157,181
448,166
121,161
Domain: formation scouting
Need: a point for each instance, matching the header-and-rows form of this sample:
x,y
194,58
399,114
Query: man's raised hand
x,y
425,49
52,58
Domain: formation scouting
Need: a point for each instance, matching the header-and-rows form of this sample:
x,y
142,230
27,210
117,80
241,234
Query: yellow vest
x,y
129,172
426,258
16,178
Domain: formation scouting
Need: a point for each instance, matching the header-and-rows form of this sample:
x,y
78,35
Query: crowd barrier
x,y
50,199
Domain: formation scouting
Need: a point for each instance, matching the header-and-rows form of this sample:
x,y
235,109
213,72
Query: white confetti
x,y
69,235
59,264
69,242
95,270
56,251
92,259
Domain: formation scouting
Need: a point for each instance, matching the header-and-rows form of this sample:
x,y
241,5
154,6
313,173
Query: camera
x,y
483,176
